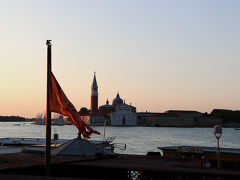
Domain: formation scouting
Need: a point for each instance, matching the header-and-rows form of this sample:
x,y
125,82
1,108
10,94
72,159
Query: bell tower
x,y
94,95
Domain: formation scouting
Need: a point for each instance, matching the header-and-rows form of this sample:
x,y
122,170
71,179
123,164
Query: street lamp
x,y
217,131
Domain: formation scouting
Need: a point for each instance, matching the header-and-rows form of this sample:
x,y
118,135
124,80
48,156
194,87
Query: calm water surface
x,y
139,140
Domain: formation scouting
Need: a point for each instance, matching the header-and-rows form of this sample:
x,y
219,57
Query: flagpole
x,y
48,113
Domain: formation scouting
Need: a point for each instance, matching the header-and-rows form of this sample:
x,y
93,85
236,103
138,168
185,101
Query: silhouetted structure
x,y
94,95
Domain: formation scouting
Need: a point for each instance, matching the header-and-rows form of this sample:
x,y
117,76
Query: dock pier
x,y
120,167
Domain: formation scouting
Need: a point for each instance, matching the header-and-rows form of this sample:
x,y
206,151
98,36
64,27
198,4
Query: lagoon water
x,y
139,140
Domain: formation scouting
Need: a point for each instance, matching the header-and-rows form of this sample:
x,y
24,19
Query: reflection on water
x,y
139,140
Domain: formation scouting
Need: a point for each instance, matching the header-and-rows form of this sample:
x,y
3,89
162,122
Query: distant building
x,y
177,118
206,121
158,119
184,113
96,120
106,109
117,101
124,114
119,113
61,120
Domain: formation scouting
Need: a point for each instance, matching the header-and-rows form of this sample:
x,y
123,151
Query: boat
x,y
229,157
237,128
38,144
28,141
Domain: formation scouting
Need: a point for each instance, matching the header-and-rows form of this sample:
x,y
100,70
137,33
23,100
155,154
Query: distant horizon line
x,y
152,112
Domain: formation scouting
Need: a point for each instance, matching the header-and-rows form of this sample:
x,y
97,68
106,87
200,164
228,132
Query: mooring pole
x,y
104,130
48,113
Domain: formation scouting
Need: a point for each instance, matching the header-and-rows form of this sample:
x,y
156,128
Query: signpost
x,y
217,131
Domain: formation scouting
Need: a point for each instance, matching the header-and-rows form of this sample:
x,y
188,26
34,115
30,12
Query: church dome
x,y
117,101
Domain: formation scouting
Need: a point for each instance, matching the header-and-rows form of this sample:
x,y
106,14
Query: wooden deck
x,y
108,167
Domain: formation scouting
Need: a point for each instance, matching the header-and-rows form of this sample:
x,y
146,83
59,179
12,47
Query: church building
x,y
116,114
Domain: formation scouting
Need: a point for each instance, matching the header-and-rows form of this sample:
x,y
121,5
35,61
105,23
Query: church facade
x,y
124,116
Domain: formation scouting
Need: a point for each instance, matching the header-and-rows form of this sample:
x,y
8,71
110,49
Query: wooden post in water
x,y
48,113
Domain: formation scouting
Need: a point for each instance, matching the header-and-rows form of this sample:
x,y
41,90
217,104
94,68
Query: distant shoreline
x,y
232,125
27,120
224,125
14,119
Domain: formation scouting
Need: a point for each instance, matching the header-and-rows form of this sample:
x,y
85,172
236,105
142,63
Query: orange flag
x,y
59,103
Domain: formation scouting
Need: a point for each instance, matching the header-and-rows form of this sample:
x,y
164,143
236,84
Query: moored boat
x,y
38,144
229,157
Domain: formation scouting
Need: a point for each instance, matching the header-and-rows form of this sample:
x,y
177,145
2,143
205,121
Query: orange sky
x,y
158,55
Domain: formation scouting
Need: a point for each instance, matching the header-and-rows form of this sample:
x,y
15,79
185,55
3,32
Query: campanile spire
x,y
94,95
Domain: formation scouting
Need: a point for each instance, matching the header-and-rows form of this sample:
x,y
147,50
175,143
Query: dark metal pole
x,y
48,113
218,152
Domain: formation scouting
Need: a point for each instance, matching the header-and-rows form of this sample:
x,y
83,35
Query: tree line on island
x,y
228,116
12,119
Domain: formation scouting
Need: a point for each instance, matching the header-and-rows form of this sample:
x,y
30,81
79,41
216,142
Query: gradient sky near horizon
x,y
158,55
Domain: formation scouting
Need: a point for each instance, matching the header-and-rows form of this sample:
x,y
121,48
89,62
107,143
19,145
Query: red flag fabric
x,y
59,103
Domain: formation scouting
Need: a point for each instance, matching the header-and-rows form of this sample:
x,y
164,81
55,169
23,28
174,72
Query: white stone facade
x,y
124,116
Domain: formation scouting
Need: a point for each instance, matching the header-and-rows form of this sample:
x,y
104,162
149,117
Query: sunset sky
x,y
158,55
